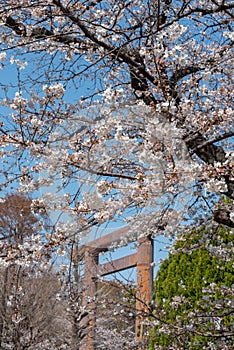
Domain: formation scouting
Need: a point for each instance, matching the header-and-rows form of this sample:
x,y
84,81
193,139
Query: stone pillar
x,y
89,296
144,281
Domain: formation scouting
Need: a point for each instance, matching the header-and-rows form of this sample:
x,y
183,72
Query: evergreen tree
x,y
190,290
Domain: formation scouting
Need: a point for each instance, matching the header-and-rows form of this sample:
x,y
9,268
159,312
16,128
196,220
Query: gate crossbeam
x,y
117,265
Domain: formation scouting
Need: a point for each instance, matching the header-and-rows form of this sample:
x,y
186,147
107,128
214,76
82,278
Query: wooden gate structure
x,y
142,259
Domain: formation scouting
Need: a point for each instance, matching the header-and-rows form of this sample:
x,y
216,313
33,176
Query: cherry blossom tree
x,y
118,111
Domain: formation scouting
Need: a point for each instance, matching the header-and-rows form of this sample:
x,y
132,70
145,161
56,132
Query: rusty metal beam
x,y
145,258
117,265
92,250
107,240
90,292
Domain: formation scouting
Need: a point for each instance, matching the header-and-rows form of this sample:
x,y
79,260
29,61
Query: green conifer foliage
x,y
194,299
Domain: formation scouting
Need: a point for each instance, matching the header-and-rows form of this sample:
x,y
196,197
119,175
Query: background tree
x,y
31,316
193,293
17,221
